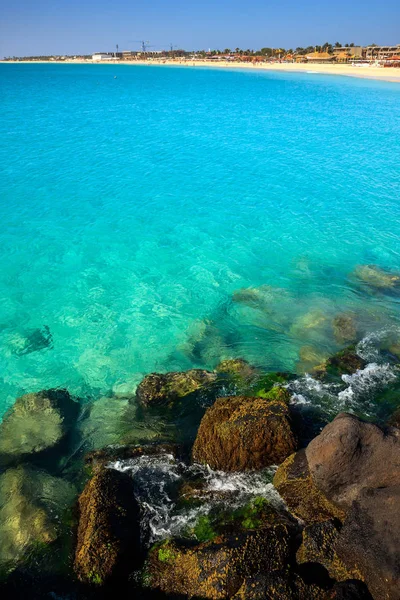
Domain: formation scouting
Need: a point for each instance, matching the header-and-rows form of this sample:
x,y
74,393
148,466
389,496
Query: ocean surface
x,y
157,219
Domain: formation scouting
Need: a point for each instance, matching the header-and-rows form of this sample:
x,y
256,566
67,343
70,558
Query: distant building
x,y
104,56
381,52
319,57
350,51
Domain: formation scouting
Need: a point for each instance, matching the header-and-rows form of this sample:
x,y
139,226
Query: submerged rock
x,y
32,504
159,389
344,328
32,341
310,357
217,568
377,278
236,368
241,434
36,422
108,532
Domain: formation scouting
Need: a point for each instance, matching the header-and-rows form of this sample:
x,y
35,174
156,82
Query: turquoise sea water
x,y
137,203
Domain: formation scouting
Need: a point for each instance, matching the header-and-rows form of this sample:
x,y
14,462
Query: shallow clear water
x,y
135,202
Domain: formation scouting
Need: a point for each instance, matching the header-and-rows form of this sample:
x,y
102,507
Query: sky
x,y
44,27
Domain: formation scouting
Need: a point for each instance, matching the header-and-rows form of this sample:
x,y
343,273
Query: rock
x,y
32,504
108,531
159,389
216,569
318,546
351,589
309,324
349,455
35,423
369,540
345,362
32,341
295,484
394,420
377,278
278,585
100,458
310,357
344,328
244,434
236,369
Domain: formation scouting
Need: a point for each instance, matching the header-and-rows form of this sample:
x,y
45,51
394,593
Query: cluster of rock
x,y
336,538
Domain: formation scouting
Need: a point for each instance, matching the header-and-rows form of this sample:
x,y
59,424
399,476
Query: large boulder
x,y
295,484
108,531
243,434
158,389
217,568
350,455
32,505
36,422
278,585
369,540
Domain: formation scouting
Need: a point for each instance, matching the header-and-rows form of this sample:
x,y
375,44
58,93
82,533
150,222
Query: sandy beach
x,y
379,73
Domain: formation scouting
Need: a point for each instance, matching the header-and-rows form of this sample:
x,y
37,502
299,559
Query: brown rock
x,y
159,389
296,486
216,569
349,455
108,531
318,546
243,434
369,540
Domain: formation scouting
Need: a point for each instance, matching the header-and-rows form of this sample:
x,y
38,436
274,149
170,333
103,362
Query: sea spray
x,y
157,480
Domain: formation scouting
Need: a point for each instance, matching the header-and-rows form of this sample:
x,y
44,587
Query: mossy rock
x,y
318,546
345,362
159,389
377,278
344,327
278,585
35,423
217,568
295,484
243,434
108,543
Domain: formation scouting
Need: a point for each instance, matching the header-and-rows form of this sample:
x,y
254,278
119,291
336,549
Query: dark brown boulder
x,y
345,362
352,589
349,455
369,540
242,434
158,389
278,585
108,531
296,486
217,568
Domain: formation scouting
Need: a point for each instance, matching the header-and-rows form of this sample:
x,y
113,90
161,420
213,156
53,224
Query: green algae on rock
x,y
36,422
217,568
344,362
159,389
32,504
243,434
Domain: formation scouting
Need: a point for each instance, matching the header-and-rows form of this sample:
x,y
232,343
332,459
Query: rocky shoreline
x,y
243,492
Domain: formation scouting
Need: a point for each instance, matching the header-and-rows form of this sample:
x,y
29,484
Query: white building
x,y
104,56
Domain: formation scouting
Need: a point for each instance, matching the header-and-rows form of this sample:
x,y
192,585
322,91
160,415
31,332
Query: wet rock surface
x,y
159,389
239,433
108,531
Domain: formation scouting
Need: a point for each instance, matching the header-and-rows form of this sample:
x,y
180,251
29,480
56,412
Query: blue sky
x,y
78,26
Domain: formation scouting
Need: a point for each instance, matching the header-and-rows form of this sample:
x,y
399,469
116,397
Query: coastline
x,y
377,73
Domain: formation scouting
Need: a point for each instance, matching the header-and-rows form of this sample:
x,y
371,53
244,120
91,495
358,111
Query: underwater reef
x,y
210,484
